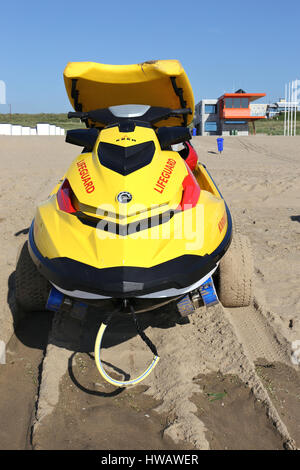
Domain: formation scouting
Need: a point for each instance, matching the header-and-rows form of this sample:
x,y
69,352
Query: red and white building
x,y
229,115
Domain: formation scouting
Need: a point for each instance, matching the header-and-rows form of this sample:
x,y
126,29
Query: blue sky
x,y
223,45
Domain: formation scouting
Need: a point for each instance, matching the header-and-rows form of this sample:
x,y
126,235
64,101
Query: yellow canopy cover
x,y
155,83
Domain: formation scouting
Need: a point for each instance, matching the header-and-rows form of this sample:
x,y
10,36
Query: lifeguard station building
x,y
228,115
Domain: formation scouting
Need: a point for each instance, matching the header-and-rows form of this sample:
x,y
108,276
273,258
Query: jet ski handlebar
x,y
76,114
152,115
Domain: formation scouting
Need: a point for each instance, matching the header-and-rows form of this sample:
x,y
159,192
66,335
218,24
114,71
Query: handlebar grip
x,y
76,114
176,112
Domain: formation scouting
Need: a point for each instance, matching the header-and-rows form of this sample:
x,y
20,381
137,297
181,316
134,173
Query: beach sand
x,y
227,378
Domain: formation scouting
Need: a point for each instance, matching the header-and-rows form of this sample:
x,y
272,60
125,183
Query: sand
x,y
259,178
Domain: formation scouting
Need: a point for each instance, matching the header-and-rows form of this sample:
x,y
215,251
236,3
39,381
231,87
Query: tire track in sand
x,y
257,336
209,343
212,340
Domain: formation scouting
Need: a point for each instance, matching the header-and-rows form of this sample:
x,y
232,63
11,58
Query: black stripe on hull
x,y
128,281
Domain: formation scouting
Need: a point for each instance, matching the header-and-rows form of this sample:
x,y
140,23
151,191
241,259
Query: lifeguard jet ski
x,y
132,219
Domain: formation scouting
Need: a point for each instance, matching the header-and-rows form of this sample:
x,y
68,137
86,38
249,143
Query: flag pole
x,y
292,107
296,106
285,98
289,105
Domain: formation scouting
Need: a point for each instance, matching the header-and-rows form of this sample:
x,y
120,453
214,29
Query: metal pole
x,y
284,127
289,101
296,106
291,110
291,107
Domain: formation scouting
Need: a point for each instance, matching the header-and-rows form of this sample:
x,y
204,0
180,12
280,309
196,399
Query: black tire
x,y
32,289
235,273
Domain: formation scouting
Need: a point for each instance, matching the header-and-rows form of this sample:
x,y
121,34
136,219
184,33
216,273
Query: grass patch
x,y
32,120
273,126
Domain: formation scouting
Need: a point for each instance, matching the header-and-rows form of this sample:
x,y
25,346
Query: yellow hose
x,y
118,383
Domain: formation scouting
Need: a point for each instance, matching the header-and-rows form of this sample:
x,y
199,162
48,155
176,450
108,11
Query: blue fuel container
x,y
194,131
220,141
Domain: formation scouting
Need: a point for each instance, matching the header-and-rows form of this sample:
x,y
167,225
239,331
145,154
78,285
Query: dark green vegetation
x,y
31,120
273,126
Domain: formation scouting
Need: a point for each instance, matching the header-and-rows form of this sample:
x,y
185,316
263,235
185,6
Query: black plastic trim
x,y
172,135
75,95
83,137
179,93
125,160
128,281
106,117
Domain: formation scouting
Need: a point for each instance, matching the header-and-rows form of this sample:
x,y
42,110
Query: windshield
x,y
129,110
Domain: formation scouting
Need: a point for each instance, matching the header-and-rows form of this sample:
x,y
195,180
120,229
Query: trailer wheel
x,y
32,289
235,273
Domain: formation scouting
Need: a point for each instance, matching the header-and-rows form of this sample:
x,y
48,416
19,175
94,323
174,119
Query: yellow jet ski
x,y
132,219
